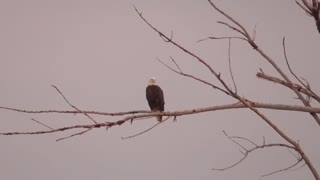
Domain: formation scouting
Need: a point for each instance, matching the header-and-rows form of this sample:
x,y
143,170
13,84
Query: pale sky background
x,y
100,54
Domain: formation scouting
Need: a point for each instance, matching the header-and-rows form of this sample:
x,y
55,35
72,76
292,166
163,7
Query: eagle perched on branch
x,y
155,97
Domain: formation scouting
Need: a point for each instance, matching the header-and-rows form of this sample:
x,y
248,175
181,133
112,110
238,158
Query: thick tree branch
x,y
238,105
73,112
150,114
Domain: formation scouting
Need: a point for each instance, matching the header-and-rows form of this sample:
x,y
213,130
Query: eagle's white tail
x,y
159,118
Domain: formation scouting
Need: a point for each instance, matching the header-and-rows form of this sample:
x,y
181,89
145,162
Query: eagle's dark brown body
x,y
155,98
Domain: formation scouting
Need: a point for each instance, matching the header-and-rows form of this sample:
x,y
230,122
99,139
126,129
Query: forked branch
x,y
250,40
247,150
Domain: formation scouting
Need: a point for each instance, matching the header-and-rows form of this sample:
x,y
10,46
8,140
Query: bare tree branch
x,y
287,61
226,37
256,147
284,169
312,9
42,124
172,114
230,69
191,76
147,130
237,105
243,138
275,66
297,156
305,2
243,103
303,8
74,107
76,134
294,169
232,165
234,141
263,54
74,112
243,31
232,27
200,60
288,64
248,151
291,86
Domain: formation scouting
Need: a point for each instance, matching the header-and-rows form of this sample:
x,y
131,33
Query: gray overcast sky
x,y
100,54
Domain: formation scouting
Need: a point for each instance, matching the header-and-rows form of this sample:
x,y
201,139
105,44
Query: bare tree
x,y
301,88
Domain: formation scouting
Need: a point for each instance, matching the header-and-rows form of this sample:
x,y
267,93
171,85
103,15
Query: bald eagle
x,y
155,97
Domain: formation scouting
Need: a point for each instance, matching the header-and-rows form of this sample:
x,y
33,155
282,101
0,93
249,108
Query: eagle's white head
x,y
152,81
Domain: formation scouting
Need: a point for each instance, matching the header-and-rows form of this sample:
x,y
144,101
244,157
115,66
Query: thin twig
x,y
307,86
233,165
177,65
243,31
284,169
76,134
254,33
293,154
294,169
243,138
234,141
42,124
232,27
140,133
74,107
287,61
230,69
227,37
